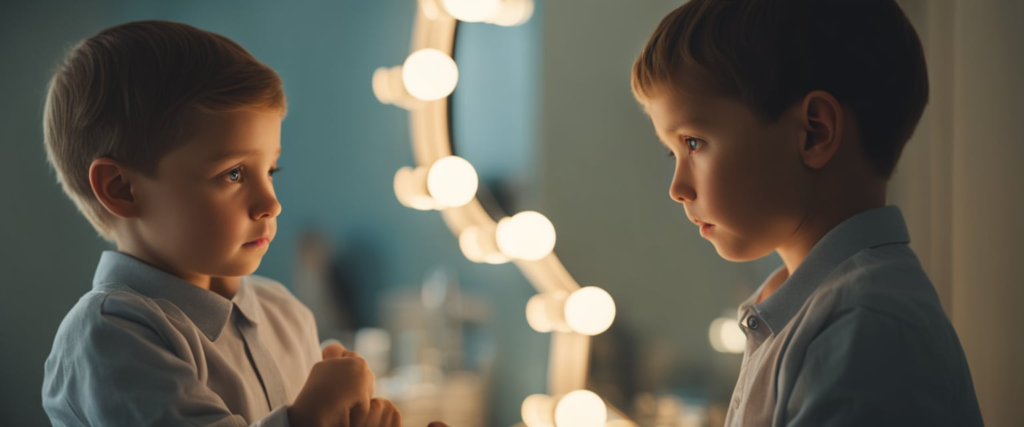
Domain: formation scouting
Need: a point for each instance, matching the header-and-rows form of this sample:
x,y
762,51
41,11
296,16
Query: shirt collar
x,y
207,310
868,229
246,302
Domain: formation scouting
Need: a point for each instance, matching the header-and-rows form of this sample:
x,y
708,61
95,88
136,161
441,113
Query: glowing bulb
x,y
411,189
537,411
726,336
527,235
478,245
495,258
429,74
589,310
452,181
472,10
470,244
580,408
430,8
733,338
536,314
381,86
512,13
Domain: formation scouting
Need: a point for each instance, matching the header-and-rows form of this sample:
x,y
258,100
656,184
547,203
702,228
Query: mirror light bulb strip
x,y
447,183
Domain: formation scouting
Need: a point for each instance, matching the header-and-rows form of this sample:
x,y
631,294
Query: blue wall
x,y
341,149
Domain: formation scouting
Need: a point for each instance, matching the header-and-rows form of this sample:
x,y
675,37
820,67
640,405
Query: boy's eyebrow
x,y
231,154
674,129
698,123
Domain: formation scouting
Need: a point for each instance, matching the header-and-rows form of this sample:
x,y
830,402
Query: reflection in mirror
x,y
576,146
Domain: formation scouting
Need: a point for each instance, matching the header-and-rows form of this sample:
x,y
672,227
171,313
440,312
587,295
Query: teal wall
x,y
341,149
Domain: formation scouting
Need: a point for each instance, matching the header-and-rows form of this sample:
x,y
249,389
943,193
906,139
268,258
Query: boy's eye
x,y
235,175
692,143
672,154
273,171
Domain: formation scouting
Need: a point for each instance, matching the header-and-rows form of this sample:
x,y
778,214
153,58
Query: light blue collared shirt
x,y
855,337
145,347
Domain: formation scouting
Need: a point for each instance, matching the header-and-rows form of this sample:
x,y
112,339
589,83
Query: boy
x,y
166,137
786,119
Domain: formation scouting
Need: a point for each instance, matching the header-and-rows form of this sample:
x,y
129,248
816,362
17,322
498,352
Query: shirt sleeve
x,y
115,368
869,368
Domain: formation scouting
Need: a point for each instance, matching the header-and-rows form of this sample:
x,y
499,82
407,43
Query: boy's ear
x,y
822,119
113,188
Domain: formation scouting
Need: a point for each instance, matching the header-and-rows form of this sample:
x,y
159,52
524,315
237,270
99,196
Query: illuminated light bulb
x,y
389,88
471,10
382,86
527,235
536,314
478,245
452,181
429,74
469,242
580,408
411,189
538,411
733,338
512,13
726,336
554,309
430,8
496,258
589,310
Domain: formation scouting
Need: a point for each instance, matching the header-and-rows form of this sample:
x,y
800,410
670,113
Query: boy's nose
x,y
266,206
681,190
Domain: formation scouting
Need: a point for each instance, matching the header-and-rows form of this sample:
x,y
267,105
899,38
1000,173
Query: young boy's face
x,y
742,176
211,209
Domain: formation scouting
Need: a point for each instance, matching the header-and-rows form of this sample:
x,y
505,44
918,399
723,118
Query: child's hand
x,y
382,413
338,388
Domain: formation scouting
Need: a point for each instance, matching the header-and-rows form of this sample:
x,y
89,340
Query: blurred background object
x,y
544,113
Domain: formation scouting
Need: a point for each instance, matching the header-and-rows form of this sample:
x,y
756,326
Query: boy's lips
x,y
705,228
262,241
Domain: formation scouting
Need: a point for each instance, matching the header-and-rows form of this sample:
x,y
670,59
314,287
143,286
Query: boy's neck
x,y
817,222
226,287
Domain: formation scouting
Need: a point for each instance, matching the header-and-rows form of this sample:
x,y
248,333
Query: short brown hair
x,y
769,54
127,93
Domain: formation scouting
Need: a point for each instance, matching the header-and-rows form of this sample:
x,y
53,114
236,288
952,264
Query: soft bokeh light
x,y
452,181
537,411
470,245
389,88
430,74
536,314
527,235
411,189
495,258
382,87
478,245
589,310
726,336
580,408
472,10
512,13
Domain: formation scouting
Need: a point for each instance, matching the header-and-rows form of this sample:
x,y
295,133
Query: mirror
x,y
545,113
498,138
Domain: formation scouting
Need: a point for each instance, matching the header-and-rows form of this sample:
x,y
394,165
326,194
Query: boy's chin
x,y
739,253
241,268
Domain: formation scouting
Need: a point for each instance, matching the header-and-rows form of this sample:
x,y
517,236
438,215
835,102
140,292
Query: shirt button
x,y
752,322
